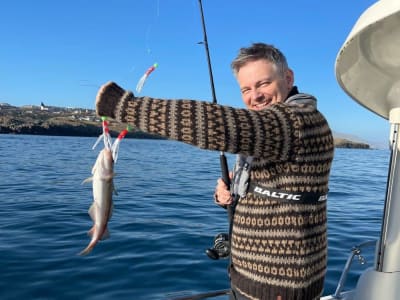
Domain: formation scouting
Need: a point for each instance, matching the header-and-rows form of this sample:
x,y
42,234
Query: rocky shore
x,y
345,143
60,121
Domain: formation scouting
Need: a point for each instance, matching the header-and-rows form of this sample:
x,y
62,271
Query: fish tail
x,y
105,235
93,242
92,232
89,248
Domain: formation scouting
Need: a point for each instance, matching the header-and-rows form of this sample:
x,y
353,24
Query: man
x,y
278,242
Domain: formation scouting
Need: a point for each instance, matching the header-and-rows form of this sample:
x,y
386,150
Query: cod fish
x,y
101,209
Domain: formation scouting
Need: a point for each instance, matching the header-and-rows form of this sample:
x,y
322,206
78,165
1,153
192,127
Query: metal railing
x,y
355,252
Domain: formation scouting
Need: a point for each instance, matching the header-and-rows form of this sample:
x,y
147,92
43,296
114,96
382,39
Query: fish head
x,y
104,164
107,159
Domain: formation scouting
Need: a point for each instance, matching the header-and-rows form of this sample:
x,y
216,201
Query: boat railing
x,y
355,252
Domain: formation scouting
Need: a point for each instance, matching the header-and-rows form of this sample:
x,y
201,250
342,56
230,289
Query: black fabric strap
x,y
293,197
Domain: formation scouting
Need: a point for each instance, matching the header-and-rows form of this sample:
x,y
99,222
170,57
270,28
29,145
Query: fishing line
x,y
153,24
106,136
88,83
148,50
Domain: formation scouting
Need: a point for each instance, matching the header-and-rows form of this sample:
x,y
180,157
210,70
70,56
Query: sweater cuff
x,y
111,101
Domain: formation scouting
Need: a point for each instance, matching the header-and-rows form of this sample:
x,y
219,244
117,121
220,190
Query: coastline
x,y
60,121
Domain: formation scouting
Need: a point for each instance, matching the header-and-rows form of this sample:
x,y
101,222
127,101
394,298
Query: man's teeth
x,y
261,105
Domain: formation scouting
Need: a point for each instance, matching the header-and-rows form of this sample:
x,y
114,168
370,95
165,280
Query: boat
x,y
368,69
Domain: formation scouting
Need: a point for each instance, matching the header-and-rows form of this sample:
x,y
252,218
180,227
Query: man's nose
x,y
256,94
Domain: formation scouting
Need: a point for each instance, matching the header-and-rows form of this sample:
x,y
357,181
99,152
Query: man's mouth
x,y
262,105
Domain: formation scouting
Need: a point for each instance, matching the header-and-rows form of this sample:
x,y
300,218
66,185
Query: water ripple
x,y
164,218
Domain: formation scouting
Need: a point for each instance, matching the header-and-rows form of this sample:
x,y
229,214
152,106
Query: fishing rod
x,y
205,43
224,165
212,252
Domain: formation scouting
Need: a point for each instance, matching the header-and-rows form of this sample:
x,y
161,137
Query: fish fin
x,y
105,235
89,179
91,232
114,190
94,168
92,213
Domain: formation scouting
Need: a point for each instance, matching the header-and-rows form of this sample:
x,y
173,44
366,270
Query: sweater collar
x,y
293,92
296,98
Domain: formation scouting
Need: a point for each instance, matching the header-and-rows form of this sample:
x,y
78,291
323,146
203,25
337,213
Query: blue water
x,y
164,218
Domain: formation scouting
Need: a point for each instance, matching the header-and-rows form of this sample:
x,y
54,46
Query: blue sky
x,y
60,52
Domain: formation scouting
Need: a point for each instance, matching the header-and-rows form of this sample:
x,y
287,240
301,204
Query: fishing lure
x,y
108,144
115,146
142,80
105,135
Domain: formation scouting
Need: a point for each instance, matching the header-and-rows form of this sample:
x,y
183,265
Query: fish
x,y
103,187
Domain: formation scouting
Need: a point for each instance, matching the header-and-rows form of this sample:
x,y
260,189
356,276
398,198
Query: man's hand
x,y
111,99
222,195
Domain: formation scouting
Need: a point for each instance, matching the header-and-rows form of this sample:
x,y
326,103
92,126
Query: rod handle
x,y
224,169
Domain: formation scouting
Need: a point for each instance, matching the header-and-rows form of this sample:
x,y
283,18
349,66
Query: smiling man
x,y
262,82
280,182
279,230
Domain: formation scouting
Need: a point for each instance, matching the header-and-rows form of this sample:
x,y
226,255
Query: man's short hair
x,y
259,51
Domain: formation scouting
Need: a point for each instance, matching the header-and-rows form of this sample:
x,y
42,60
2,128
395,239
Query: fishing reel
x,y
221,248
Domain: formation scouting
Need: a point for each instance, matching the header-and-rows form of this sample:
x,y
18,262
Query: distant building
x,y
43,107
29,107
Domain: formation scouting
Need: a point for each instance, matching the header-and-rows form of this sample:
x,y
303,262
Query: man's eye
x,y
265,83
245,91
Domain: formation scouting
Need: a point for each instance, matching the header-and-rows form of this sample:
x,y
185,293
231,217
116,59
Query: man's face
x,y
261,84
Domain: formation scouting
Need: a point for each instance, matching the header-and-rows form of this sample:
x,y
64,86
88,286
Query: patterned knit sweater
x,y
278,247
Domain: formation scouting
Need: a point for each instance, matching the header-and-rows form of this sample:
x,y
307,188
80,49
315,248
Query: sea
x,y
164,219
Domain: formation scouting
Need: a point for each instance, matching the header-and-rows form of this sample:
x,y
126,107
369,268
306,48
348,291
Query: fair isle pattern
x,y
279,244
215,127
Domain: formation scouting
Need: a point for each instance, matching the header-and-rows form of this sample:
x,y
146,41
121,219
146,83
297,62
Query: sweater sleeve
x,y
272,133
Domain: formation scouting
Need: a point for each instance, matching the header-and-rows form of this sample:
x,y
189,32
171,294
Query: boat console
x,y
368,69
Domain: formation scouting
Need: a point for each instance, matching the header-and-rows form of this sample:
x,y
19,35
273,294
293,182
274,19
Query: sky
x,y
61,52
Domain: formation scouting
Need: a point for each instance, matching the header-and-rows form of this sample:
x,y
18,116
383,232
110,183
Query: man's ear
x,y
289,78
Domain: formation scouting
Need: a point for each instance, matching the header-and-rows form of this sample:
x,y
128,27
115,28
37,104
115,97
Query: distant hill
x,y
50,120
345,143
59,121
